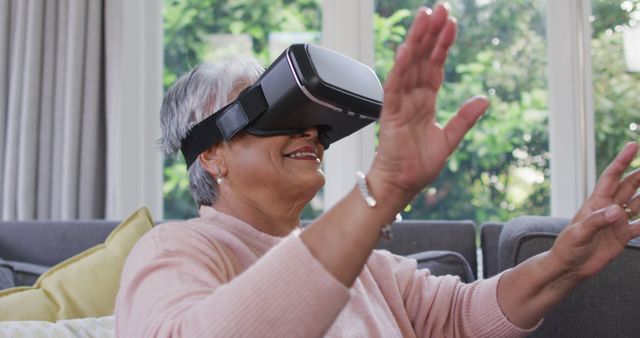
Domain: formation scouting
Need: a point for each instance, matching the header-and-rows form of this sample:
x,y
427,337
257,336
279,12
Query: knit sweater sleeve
x,y
187,291
442,306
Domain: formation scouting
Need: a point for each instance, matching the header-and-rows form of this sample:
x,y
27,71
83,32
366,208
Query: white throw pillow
x,y
100,327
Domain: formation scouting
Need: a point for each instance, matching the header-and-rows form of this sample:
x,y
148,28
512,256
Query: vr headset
x,y
306,86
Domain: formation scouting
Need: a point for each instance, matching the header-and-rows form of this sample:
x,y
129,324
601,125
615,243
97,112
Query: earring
x,y
219,177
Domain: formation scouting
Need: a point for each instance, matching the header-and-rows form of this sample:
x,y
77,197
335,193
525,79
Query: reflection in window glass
x,y
502,167
199,30
615,51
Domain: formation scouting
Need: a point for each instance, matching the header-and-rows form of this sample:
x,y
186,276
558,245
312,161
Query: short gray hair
x,y
192,98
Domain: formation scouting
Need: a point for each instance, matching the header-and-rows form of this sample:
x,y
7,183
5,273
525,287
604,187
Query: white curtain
x,y
56,146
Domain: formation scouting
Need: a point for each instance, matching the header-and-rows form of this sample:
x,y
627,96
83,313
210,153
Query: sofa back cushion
x,y
489,239
410,237
48,243
84,285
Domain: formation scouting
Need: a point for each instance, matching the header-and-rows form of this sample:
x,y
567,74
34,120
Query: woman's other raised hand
x,y
602,228
413,146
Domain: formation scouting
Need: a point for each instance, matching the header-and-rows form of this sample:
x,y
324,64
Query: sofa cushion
x,y
82,327
84,285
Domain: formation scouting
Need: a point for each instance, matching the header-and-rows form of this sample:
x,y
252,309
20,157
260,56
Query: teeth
x,y
302,154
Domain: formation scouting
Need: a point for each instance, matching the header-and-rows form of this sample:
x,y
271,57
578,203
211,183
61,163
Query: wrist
x,y
561,273
386,192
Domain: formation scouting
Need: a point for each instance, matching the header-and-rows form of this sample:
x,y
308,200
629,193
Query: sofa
x,y
602,306
29,248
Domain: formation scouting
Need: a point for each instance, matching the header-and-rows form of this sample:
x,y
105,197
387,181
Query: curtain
x,y
52,110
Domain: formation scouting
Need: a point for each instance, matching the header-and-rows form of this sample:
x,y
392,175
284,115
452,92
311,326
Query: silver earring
x,y
219,177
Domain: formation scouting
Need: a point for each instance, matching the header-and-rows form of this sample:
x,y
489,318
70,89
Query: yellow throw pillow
x,y
84,285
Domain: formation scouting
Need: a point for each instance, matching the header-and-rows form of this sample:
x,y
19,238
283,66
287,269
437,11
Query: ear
x,y
212,160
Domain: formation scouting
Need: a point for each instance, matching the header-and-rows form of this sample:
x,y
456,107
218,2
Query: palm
x,y
413,146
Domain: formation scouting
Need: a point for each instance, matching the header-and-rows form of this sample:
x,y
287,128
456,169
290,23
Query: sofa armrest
x,y
604,305
441,262
25,274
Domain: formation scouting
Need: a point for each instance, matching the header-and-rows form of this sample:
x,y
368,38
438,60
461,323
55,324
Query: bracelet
x,y
361,180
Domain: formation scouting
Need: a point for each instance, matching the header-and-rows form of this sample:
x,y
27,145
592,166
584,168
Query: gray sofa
x,y
604,306
27,249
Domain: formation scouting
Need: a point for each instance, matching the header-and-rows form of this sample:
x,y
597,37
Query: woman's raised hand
x,y
601,228
413,146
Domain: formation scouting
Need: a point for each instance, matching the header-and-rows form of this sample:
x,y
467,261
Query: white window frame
x,y
571,116
348,27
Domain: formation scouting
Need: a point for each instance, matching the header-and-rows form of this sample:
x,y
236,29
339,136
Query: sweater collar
x,y
240,228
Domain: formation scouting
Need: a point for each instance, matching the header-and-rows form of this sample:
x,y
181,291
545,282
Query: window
x,y
533,151
199,30
501,169
615,48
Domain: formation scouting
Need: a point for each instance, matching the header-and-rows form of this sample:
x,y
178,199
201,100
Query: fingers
x,y
433,73
421,24
428,38
628,188
609,181
424,35
602,218
634,205
466,118
436,40
394,84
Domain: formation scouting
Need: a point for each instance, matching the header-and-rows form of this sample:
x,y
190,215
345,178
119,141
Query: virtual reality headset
x,y
306,86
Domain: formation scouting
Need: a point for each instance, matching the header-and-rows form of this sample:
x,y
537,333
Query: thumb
x,y
467,116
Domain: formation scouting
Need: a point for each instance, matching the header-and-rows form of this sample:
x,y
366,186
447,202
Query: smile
x,y
303,155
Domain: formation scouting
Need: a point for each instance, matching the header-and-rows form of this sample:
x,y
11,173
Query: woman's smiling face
x,y
287,165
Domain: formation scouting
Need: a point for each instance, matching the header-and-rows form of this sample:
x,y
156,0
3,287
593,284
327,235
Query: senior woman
x,y
245,268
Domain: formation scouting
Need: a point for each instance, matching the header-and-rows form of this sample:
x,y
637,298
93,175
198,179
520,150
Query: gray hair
x,y
194,97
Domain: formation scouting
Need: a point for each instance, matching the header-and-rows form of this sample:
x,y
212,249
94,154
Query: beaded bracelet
x,y
361,180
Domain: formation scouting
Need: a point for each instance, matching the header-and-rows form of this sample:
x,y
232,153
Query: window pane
x,y
501,169
199,30
616,76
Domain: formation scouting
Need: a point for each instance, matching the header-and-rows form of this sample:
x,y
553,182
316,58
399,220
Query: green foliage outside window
x,y
187,25
502,168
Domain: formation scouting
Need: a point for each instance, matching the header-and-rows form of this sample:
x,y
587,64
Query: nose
x,y
310,133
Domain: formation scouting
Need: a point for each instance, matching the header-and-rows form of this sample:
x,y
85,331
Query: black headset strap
x,y
224,123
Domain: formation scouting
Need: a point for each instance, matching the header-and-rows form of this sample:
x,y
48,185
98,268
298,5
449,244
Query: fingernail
x,y
611,213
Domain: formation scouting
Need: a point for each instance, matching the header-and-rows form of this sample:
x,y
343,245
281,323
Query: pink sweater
x,y
216,276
